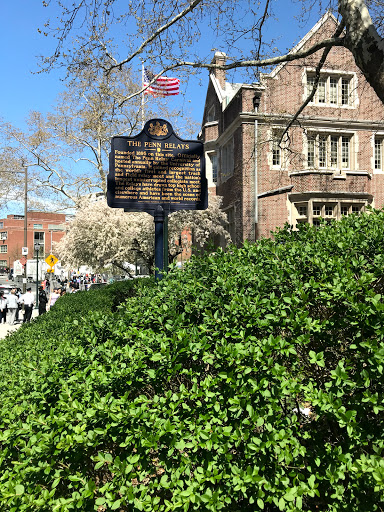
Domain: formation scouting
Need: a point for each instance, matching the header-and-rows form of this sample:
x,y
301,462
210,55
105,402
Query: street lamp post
x,y
37,247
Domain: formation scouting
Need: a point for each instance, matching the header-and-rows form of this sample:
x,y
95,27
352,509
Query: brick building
x,y
42,227
331,163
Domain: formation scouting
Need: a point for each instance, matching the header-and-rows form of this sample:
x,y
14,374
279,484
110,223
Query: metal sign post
x,y
159,241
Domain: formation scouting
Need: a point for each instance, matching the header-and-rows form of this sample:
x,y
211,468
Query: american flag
x,y
162,87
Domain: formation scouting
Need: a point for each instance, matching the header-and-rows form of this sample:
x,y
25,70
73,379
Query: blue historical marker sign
x,y
157,168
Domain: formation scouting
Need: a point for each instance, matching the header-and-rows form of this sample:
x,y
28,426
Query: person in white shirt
x,y
12,306
28,300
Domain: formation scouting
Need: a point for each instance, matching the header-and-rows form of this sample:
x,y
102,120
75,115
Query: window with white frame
x,y
3,235
313,211
278,145
276,151
302,210
227,161
213,160
336,209
332,89
3,263
349,209
3,248
302,213
379,153
329,151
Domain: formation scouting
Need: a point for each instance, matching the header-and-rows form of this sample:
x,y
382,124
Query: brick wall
x,y
14,228
281,94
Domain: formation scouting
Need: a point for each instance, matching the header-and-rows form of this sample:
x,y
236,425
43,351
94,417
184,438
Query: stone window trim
x,y
277,157
309,208
330,150
331,90
307,172
210,123
212,166
378,153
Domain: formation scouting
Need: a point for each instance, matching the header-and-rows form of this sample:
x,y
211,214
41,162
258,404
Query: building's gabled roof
x,y
324,19
219,91
225,95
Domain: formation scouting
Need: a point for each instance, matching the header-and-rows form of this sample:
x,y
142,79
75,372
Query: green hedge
x,y
50,336
190,396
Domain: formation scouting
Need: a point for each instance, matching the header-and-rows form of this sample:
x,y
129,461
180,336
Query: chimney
x,y
220,59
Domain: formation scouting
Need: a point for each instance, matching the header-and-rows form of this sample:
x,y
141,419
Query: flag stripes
x,y
163,86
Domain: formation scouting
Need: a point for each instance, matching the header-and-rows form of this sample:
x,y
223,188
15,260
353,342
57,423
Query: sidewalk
x,y
6,328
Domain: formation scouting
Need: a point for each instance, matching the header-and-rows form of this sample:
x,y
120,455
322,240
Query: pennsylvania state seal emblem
x,y
157,129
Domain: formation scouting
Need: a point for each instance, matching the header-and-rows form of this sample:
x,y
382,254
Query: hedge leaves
x,y
251,380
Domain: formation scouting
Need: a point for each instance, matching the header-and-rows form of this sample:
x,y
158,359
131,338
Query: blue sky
x,y
22,91
20,44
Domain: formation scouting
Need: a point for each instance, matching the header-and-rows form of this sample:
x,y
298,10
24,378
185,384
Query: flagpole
x,y
142,96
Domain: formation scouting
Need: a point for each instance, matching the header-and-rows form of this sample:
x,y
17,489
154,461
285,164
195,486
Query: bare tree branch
x,y
156,34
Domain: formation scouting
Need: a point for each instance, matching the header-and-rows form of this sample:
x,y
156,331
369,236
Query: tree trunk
x,y
364,42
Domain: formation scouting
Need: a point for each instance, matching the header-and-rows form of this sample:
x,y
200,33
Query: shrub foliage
x,y
251,380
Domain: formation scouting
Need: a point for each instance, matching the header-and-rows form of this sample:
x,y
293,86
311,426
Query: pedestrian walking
x,y
53,298
29,301
43,299
3,308
12,306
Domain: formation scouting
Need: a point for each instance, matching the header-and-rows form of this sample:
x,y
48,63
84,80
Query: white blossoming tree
x,y
100,236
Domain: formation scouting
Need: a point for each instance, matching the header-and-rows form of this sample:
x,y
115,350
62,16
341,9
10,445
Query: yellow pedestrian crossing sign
x,y
51,260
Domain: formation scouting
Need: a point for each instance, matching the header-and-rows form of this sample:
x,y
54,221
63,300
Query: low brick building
x,y
329,163
42,227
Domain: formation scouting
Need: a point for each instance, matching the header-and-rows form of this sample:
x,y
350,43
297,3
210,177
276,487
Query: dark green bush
x,y
191,396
